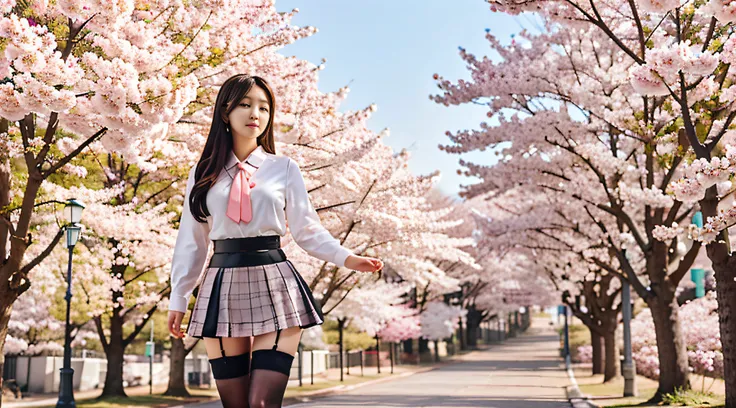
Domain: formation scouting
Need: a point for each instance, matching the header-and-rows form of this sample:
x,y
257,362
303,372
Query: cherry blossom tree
x,y
679,55
600,313
702,334
116,92
33,325
405,327
110,77
120,278
313,338
439,321
37,321
33,330
705,350
371,306
377,208
572,124
536,235
474,280
477,281
32,321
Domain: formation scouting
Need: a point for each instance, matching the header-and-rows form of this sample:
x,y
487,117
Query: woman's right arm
x,y
190,254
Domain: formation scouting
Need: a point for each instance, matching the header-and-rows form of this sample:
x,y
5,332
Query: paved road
x,y
523,373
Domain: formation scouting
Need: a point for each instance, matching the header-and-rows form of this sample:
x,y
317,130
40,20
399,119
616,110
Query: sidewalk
x,y
525,372
329,383
332,377
49,400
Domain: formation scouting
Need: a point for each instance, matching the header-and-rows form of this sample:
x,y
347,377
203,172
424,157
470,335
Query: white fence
x,y
42,372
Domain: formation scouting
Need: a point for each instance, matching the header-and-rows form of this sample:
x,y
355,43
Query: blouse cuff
x,y
178,303
341,256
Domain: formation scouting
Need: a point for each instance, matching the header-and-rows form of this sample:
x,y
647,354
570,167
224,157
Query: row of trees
x,y
613,127
111,104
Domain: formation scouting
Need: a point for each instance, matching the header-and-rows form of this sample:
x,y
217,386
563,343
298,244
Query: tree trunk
x,y
512,329
14,283
719,252
526,318
177,386
461,335
4,194
6,306
114,352
597,345
423,346
613,369
436,350
472,325
114,377
673,364
725,289
4,235
408,346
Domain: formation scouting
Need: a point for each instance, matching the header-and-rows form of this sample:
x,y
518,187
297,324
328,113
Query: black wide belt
x,y
247,244
251,251
240,259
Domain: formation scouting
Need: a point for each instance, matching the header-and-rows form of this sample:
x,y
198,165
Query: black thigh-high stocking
x,y
269,376
232,377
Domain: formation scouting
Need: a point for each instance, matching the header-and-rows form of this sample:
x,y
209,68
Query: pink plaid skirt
x,y
247,294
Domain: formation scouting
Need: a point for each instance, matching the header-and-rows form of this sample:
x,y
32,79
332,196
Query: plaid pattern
x,y
255,300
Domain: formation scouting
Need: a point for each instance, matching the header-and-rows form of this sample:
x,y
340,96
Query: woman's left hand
x,y
363,264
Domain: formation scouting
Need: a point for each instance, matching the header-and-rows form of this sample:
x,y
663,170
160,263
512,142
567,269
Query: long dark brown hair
x,y
220,140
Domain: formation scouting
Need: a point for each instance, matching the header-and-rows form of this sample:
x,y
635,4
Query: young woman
x,y
251,299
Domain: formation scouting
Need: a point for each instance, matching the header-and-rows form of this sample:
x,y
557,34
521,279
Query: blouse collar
x,y
255,158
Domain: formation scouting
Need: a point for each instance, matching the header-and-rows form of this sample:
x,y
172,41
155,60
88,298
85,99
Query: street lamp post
x,y
567,340
378,354
73,213
629,367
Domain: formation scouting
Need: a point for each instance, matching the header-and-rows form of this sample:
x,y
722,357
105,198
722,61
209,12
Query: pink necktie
x,y
239,206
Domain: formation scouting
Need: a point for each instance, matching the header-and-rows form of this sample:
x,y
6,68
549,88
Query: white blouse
x,y
279,195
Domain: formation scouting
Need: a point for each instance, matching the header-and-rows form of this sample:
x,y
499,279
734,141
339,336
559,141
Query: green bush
x,y
579,336
352,339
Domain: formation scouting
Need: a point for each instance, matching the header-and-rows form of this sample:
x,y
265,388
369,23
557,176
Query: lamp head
x,y
73,211
73,215
73,231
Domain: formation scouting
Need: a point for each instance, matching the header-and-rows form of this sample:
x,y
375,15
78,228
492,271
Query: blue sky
x,y
387,51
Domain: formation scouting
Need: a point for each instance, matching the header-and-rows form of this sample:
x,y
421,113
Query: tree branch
x,y
685,264
61,163
329,207
101,333
37,260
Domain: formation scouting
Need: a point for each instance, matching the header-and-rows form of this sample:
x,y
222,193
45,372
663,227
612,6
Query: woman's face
x,y
250,117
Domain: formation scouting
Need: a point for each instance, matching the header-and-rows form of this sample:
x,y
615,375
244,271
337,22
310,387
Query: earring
x,y
227,128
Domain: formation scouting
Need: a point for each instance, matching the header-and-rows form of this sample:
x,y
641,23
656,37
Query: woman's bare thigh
x,y
288,340
233,346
